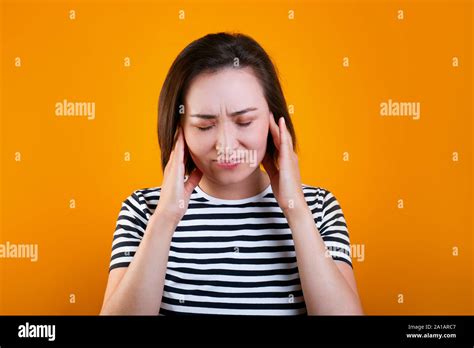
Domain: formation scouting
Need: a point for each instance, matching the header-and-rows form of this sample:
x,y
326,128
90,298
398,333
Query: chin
x,y
228,177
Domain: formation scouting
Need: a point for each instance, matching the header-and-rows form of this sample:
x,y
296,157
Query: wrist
x,y
164,220
296,210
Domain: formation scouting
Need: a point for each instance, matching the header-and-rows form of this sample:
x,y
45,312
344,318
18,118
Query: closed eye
x,y
204,128
246,124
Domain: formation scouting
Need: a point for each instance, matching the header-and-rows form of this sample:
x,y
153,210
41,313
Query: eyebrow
x,y
236,113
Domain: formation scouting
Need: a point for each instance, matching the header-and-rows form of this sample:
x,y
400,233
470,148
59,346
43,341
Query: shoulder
x,y
327,212
143,201
314,191
319,199
314,194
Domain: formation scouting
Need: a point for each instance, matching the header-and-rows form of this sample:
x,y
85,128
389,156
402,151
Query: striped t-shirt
x,y
233,257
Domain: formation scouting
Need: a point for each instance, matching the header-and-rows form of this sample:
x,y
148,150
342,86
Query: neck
x,y
251,186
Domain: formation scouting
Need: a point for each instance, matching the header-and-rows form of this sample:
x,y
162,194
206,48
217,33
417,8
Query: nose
x,y
226,138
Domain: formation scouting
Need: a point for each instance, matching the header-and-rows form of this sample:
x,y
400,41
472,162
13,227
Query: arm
x,y
138,289
328,285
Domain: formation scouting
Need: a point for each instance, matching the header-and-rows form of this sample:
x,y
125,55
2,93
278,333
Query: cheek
x,y
199,154
198,145
257,140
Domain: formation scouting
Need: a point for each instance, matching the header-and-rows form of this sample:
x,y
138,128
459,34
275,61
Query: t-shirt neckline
x,y
233,201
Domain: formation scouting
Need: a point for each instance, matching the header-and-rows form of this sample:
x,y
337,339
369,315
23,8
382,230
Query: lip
x,y
227,165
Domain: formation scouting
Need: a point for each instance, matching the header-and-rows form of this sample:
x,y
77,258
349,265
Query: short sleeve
x,y
129,230
333,229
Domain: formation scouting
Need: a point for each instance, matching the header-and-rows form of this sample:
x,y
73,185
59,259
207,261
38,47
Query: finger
x,y
168,164
177,165
179,147
289,140
193,180
284,142
171,158
175,136
274,132
185,150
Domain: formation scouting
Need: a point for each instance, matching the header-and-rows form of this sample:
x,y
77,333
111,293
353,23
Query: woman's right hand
x,y
175,192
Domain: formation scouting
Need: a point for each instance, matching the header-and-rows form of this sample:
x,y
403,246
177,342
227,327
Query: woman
x,y
230,238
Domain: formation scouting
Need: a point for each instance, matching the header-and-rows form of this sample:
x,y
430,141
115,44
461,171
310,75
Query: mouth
x,y
227,164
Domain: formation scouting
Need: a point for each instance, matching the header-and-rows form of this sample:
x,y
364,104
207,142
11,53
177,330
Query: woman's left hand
x,y
285,179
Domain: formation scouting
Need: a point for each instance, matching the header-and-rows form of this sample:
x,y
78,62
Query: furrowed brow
x,y
236,113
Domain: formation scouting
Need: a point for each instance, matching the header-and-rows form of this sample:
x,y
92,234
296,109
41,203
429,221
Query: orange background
x,y
408,251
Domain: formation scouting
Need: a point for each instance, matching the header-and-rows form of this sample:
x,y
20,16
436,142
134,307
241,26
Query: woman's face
x,y
226,124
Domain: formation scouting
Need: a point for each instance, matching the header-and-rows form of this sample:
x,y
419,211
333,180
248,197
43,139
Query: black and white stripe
x,y
231,257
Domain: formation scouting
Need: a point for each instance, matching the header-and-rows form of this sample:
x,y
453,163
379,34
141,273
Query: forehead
x,y
232,89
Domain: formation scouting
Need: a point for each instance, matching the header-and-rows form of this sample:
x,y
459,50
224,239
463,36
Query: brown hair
x,y
207,55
